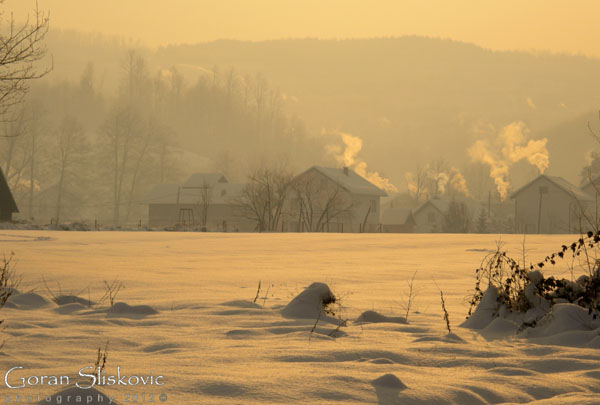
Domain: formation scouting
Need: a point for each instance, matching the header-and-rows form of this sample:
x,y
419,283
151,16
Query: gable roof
x,y
7,201
595,182
560,183
443,204
349,180
439,204
202,179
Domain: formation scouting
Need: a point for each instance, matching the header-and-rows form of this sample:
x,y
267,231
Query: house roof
x,y
395,216
595,182
442,204
202,179
7,201
349,180
560,183
221,193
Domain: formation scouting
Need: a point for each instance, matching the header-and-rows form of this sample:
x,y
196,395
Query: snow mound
x,y
389,381
310,303
564,318
387,388
499,328
122,309
447,338
70,308
376,317
485,312
29,300
91,396
566,325
70,299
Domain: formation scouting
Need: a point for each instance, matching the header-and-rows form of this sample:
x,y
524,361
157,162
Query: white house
x,y
333,200
551,204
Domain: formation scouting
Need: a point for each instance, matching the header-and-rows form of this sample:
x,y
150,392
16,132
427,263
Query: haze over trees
x,y
155,116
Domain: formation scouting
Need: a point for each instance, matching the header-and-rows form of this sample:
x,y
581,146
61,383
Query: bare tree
x,y
417,183
21,47
318,206
72,145
263,198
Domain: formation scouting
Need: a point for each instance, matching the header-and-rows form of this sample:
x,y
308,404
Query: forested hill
x,y
411,99
401,94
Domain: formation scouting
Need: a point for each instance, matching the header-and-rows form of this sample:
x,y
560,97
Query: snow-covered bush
x,y
528,293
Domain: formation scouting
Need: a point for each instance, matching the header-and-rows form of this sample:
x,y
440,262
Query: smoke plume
x,y
348,156
458,182
511,144
441,182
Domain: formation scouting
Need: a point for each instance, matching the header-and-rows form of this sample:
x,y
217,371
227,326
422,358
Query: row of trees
x,y
72,152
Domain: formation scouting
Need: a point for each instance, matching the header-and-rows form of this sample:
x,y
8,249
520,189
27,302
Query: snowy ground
x,y
211,350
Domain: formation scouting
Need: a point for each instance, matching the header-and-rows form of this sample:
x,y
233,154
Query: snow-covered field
x,y
211,345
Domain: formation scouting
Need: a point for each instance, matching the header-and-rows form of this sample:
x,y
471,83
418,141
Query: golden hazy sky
x,y
555,25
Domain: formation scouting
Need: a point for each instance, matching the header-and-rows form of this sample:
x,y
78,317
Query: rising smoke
x,y
348,156
508,148
436,183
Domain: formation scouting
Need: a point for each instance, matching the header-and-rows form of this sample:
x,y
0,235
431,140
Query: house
x,y
430,216
592,189
205,200
8,206
398,220
551,204
325,199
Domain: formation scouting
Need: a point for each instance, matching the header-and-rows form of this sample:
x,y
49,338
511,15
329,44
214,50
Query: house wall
x,y
428,219
593,190
560,212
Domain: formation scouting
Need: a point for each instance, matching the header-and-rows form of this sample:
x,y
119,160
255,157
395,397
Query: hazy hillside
x,y
397,94
400,94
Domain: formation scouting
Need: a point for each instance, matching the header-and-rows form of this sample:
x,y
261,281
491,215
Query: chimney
x,y
346,170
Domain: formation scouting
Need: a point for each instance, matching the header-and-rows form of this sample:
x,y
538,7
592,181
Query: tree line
x,y
71,152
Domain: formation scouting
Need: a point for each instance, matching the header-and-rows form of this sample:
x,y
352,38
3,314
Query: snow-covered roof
x,y
560,183
202,179
350,181
221,193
